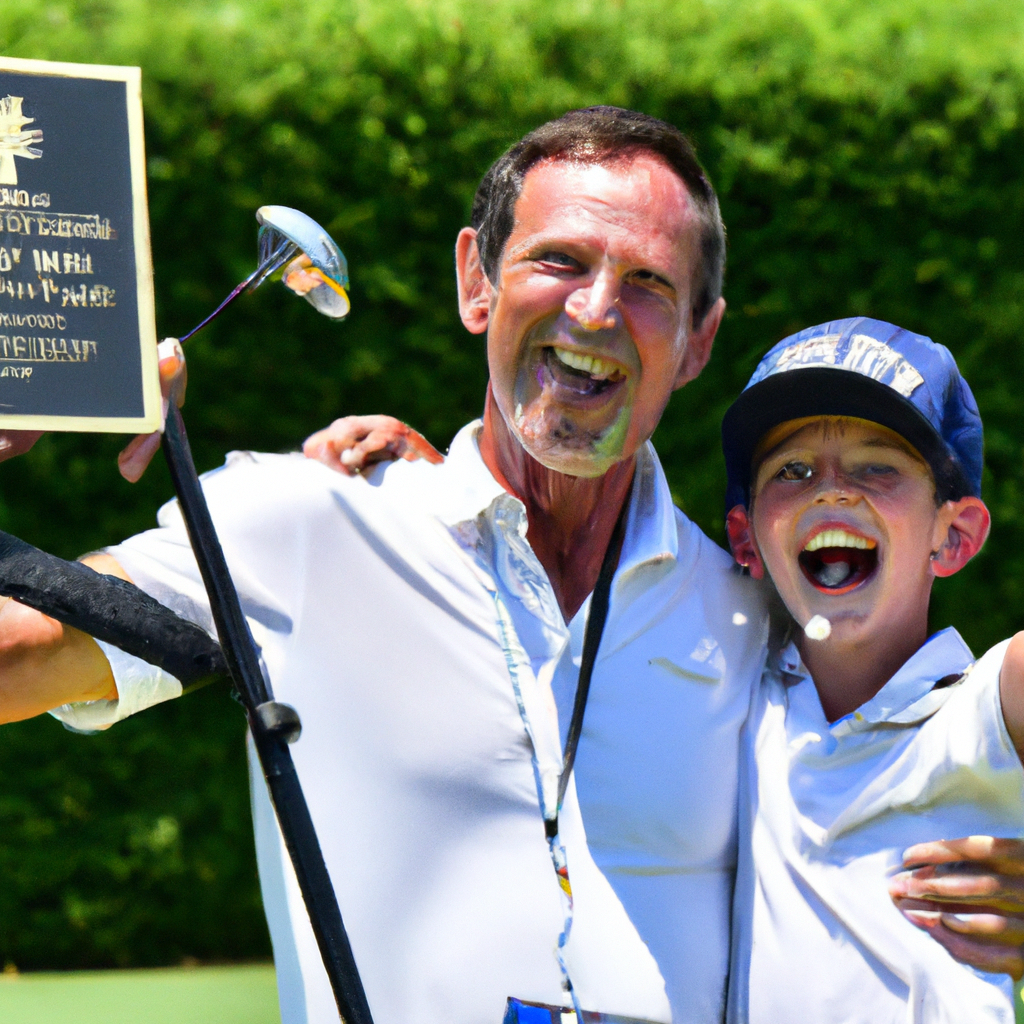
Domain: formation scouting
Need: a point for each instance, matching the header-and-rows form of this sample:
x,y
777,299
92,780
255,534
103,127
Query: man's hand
x,y
134,459
17,442
353,443
968,894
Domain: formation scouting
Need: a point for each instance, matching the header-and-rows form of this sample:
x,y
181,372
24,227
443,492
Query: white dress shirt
x,y
829,810
375,602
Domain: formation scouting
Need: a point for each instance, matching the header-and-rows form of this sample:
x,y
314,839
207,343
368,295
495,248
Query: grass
x,y
182,995
174,995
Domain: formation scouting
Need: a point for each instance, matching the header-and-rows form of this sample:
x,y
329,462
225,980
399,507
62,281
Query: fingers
x,y
17,442
976,948
959,883
417,446
353,443
173,370
138,453
1009,853
1005,930
136,456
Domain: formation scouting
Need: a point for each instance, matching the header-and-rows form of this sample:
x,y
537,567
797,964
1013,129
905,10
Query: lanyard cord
x,y
596,618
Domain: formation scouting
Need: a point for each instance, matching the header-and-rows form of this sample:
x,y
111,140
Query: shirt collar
x,y
464,489
908,696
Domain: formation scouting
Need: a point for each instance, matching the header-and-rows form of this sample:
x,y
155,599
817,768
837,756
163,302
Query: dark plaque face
x,y
77,336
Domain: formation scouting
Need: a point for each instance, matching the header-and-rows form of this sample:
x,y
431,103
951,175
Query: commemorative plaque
x,y
77,329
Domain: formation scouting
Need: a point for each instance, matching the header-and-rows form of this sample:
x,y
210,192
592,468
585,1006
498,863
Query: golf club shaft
x,y
275,756
266,266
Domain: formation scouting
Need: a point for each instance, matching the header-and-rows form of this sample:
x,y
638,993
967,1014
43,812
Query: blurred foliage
x,y
868,158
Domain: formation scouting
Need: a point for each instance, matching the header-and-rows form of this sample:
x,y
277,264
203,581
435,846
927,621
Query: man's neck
x,y
571,518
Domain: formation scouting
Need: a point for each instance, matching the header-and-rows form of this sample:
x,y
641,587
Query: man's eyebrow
x,y
538,246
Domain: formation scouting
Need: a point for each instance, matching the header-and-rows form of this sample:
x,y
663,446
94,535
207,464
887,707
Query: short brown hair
x,y
597,135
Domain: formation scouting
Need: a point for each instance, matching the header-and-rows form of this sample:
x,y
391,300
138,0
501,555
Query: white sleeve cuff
x,y
139,686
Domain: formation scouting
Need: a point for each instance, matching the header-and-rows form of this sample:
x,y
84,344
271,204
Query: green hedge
x,y
869,161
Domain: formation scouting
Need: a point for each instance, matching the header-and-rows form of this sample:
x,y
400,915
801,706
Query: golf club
x,y
313,267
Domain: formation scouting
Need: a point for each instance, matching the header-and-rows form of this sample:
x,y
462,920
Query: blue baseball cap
x,y
868,369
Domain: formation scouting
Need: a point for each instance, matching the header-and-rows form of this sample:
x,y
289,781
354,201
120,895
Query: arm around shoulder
x,y
1011,691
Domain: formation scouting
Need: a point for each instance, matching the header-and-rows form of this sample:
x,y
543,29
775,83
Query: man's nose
x,y
595,306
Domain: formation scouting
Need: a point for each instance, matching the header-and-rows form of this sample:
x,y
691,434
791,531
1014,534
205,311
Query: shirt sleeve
x,y
139,686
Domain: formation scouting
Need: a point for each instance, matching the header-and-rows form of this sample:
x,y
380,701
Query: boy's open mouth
x,y
584,374
836,562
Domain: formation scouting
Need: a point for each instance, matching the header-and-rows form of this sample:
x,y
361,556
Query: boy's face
x,y
845,522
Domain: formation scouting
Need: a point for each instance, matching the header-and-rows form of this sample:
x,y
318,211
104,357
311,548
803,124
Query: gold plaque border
x,y
152,416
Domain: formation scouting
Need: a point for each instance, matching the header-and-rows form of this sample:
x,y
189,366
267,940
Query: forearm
x,y
1011,692
44,664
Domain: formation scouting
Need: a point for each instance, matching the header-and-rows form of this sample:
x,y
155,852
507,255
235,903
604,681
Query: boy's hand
x,y
136,456
352,443
968,894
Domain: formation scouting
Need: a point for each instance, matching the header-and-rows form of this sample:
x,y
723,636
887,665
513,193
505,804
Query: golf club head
x,y
314,266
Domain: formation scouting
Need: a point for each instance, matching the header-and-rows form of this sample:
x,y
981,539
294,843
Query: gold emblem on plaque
x,y
14,140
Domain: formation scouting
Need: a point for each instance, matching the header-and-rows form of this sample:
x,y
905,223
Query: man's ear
x,y
741,541
474,286
698,345
961,528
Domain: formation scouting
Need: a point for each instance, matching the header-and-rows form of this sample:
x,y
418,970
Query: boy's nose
x,y
594,307
834,489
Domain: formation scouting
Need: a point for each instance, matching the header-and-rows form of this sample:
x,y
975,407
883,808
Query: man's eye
x,y
559,259
647,278
794,471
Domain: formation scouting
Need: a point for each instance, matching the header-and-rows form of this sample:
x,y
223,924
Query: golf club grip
x,y
275,758
108,609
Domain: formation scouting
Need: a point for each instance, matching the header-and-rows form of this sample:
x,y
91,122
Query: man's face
x,y
589,325
845,520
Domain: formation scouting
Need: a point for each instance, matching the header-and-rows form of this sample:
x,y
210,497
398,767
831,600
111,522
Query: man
x,y
595,274
426,622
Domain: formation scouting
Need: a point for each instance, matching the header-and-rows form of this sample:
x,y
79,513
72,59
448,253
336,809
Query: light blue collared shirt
x,y
828,809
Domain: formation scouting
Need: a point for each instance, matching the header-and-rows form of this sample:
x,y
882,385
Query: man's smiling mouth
x,y
836,561
584,374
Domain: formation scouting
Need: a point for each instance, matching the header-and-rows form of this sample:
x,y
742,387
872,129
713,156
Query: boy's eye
x,y
794,471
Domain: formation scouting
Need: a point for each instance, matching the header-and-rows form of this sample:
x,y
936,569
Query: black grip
x,y
108,609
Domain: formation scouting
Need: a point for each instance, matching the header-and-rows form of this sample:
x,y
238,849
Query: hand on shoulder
x,y
353,443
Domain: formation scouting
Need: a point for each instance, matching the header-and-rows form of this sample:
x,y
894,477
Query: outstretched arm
x,y
44,663
969,893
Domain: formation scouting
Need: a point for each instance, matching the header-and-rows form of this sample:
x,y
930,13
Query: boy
x,y
854,459
854,464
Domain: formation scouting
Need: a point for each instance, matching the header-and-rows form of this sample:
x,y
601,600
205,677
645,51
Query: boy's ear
x,y
961,528
741,541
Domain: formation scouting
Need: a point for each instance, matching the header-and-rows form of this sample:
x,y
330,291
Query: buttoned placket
x,y
907,698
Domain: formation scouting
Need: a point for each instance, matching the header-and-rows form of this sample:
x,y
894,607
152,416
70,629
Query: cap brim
x,y
819,391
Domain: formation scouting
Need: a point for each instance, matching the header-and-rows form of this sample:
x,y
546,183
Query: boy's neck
x,y
848,675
